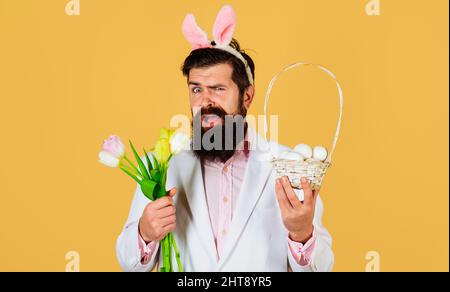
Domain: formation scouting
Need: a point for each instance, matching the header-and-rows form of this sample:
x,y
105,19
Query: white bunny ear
x,y
194,34
224,26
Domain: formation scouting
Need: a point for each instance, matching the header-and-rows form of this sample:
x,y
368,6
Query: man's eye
x,y
196,89
220,88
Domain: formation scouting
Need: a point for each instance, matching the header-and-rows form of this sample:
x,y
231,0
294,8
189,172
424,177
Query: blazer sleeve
x,y
322,258
127,245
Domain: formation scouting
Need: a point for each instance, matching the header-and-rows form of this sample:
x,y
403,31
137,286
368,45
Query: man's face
x,y
213,87
213,95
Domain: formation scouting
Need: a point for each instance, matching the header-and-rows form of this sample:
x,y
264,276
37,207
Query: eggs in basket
x,y
302,161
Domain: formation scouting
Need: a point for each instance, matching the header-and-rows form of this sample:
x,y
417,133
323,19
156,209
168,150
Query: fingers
x,y
281,196
159,218
315,195
172,192
292,197
166,211
165,230
168,220
307,191
168,228
162,202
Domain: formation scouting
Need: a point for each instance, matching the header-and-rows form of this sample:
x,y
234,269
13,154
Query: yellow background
x,y
67,82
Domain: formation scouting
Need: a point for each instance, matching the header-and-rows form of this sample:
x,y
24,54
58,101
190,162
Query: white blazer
x,y
257,239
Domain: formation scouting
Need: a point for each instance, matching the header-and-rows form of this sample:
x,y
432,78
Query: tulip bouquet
x,y
151,178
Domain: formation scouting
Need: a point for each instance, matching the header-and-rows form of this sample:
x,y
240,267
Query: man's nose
x,y
207,99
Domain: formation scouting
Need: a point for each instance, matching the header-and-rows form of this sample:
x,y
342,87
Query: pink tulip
x,y
114,146
112,152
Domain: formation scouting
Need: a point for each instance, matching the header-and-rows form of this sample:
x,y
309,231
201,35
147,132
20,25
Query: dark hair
x,y
207,57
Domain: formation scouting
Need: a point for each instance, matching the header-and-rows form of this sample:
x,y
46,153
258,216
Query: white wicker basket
x,y
313,170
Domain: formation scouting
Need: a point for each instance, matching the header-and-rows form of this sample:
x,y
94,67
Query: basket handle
x,y
341,99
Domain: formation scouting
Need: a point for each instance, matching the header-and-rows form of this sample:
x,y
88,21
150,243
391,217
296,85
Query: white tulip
x,y
179,142
108,159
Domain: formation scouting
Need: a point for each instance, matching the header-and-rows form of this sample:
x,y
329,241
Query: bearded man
x,y
226,208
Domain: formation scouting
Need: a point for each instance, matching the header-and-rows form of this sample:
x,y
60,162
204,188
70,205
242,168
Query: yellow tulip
x,y
166,133
162,150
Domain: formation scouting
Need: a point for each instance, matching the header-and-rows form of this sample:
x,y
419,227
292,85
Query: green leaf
x,y
149,163
156,175
148,187
157,187
130,174
141,165
132,165
156,162
159,191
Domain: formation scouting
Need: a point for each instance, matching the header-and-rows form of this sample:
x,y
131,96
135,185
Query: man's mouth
x,y
210,120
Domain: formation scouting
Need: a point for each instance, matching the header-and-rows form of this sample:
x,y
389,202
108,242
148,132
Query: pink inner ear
x,y
224,26
194,34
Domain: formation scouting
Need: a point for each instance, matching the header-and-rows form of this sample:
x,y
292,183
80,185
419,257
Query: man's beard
x,y
220,141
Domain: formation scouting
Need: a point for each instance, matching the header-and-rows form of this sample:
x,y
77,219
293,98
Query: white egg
x,y
290,155
299,157
304,149
320,153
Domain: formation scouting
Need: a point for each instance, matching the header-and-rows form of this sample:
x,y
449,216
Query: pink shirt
x,y
222,182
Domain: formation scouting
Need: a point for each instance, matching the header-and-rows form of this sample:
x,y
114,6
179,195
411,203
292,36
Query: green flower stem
x,y
163,252
130,169
138,180
170,251
177,252
132,165
168,242
166,254
163,172
169,264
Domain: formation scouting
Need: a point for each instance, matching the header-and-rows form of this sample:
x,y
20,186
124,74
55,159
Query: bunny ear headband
x,y
222,33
